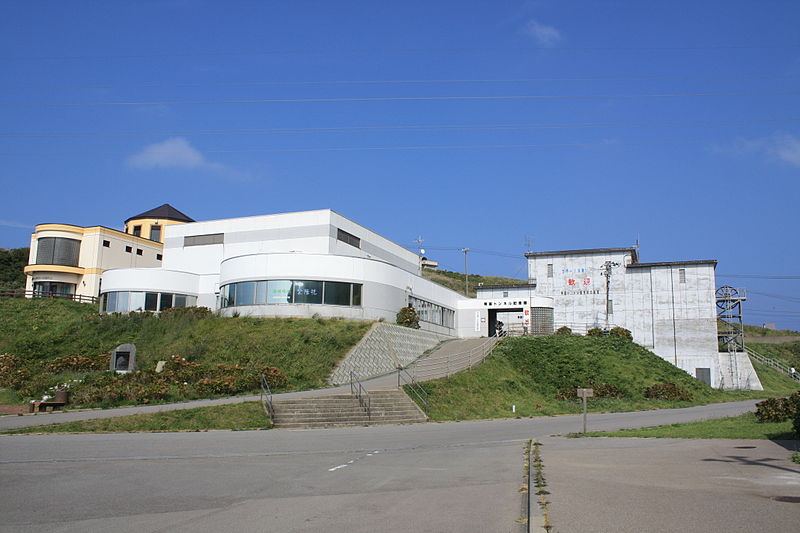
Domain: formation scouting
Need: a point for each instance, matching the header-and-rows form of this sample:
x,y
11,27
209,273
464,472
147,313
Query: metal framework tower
x,y
730,332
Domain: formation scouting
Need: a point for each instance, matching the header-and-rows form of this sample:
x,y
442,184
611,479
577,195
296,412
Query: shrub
x,y
187,312
600,390
779,409
621,332
77,363
667,391
407,317
563,330
595,332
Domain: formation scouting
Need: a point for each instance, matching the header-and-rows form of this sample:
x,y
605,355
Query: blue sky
x,y
574,124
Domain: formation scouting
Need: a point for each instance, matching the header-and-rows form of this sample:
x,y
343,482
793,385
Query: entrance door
x,y
511,318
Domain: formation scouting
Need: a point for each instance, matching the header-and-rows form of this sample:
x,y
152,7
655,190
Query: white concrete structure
x,y
295,264
669,307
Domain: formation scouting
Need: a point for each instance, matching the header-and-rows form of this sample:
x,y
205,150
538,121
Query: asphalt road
x,y
427,477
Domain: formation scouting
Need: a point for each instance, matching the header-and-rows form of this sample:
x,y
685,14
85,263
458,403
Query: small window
x,y
158,257
505,294
138,251
611,307
155,233
348,238
550,270
682,275
106,244
137,231
202,240
129,249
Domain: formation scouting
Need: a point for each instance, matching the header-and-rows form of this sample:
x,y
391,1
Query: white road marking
x,y
336,468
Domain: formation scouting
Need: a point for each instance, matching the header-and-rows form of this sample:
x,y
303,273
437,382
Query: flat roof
x,y
675,263
584,252
515,286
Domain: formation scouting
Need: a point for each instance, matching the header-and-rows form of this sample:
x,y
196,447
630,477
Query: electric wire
x,y
400,128
402,99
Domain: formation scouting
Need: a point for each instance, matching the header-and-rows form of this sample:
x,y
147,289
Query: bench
x,y
42,406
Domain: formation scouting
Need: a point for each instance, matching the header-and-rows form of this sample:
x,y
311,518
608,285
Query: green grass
x,y
787,352
9,397
305,350
455,280
757,331
240,416
745,426
529,372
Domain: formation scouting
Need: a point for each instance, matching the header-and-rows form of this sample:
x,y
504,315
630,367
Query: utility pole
x,y
606,272
466,273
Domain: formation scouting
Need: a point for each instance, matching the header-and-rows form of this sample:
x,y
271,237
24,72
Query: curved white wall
x,y
150,279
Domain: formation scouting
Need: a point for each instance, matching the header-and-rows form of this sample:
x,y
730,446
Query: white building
x,y
294,264
669,307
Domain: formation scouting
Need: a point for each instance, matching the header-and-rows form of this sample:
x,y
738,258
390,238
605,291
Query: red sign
x,y
570,282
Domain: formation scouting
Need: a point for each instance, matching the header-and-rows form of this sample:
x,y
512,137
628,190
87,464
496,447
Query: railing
x,y
358,390
22,293
436,367
266,397
404,378
772,363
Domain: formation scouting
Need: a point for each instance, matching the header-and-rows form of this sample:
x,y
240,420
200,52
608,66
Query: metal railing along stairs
x,y
772,363
358,390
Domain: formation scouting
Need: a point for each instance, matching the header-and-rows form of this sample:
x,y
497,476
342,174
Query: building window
x,y
106,244
611,307
57,251
159,257
433,313
155,233
138,251
129,249
550,270
284,291
53,288
682,275
203,240
125,302
137,231
505,294
348,238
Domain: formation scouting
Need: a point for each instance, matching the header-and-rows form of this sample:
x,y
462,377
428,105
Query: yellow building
x,y
69,261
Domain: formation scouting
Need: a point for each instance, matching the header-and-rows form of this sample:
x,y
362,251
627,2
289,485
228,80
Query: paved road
x,y
426,477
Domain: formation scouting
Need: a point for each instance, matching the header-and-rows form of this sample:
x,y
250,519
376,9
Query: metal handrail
x,y
22,293
358,390
404,378
773,363
266,397
447,366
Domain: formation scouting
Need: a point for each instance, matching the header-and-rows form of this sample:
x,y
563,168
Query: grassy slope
x,y
305,350
248,415
745,426
529,372
455,280
757,331
788,352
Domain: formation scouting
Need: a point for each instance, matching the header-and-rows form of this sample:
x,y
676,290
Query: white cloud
x,y
174,152
787,148
782,146
177,152
546,35
12,224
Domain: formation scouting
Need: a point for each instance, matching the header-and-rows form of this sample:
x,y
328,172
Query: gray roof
x,y
515,286
674,263
585,252
166,211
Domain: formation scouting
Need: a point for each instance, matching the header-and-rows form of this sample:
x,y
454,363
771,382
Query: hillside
x,y
539,376
11,264
455,280
53,341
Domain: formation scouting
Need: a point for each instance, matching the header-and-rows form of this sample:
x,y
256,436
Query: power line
x,y
755,276
404,128
775,296
379,148
348,51
154,85
403,99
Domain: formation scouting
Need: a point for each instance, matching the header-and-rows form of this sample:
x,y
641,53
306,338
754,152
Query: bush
x,y
621,332
595,332
563,330
407,317
779,409
667,391
600,390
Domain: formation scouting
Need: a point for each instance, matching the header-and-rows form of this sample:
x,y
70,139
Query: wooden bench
x,y
42,406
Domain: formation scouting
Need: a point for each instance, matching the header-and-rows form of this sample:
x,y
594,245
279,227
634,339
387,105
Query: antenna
x,y
419,240
528,243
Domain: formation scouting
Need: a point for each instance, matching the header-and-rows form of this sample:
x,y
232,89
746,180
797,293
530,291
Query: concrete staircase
x,y
386,407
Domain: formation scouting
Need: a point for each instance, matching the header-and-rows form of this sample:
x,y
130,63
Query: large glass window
x,y
57,251
41,288
284,291
279,292
433,313
307,292
124,301
337,293
151,301
155,233
166,301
